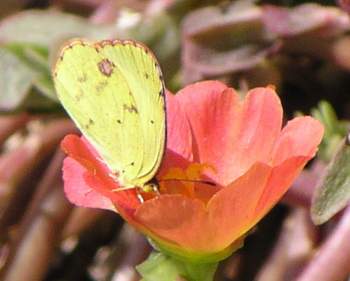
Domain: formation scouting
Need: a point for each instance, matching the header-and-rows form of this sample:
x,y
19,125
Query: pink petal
x,y
281,179
193,226
79,149
179,139
125,201
78,192
300,137
295,146
232,209
177,219
261,124
230,134
95,175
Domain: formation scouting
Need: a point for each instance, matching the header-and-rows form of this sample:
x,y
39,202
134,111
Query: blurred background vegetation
x,y
301,47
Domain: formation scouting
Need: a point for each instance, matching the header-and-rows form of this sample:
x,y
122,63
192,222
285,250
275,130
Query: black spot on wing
x,y
89,123
100,86
130,108
79,95
82,78
106,67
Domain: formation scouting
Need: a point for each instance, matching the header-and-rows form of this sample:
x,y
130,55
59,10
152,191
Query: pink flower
x,y
235,158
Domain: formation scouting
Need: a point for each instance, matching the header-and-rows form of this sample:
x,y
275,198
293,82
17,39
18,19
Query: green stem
x,y
161,267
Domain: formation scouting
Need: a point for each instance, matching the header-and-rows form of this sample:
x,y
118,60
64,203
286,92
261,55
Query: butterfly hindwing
x,y
114,92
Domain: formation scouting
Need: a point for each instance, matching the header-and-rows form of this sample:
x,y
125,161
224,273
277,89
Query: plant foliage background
x,y
301,47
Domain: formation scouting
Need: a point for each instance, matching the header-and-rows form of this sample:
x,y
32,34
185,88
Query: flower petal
x,y
300,137
189,224
209,108
295,146
175,218
79,149
232,209
231,134
78,192
93,175
125,201
179,138
281,179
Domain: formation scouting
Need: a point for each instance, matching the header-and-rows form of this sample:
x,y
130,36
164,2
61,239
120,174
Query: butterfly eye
x,y
151,187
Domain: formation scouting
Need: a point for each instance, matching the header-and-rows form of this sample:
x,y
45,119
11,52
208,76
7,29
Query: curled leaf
x,y
218,42
306,18
333,192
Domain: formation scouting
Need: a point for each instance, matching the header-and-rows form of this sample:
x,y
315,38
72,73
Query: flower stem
x,y
161,267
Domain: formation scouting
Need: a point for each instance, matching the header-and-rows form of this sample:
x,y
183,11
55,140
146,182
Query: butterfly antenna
x,y
123,188
187,180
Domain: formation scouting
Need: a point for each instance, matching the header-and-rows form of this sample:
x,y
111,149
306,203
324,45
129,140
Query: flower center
x,y
191,182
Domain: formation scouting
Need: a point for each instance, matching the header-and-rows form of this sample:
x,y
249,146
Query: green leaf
x,y
160,267
26,85
36,103
34,54
158,31
330,119
45,86
33,34
333,193
36,57
45,27
16,80
335,129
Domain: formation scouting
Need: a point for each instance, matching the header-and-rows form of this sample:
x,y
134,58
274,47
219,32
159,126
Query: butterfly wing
x,y
115,94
